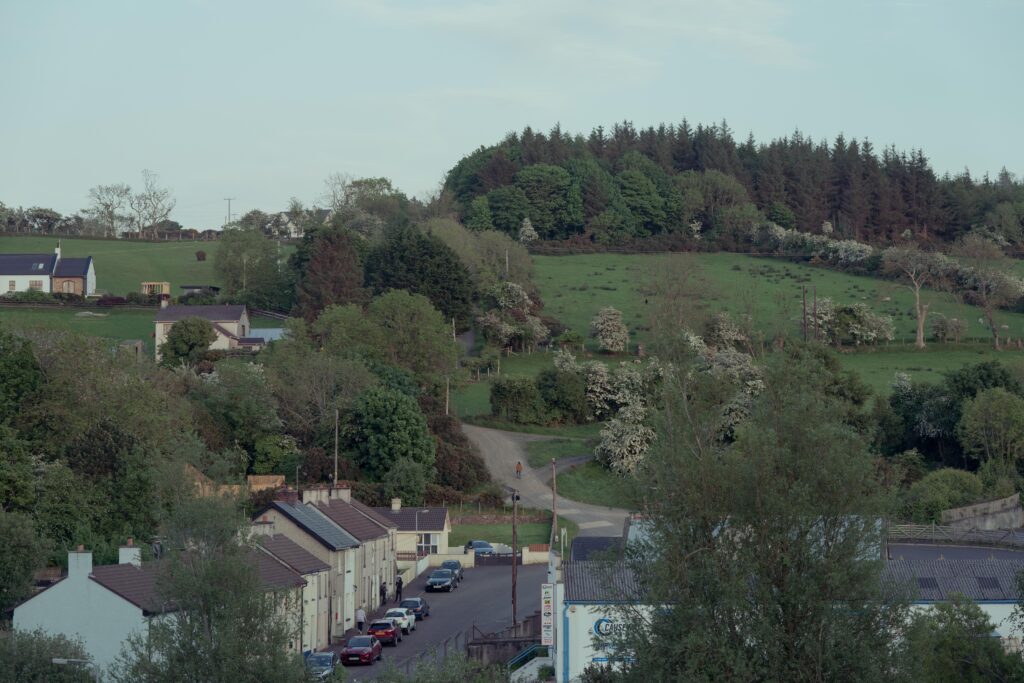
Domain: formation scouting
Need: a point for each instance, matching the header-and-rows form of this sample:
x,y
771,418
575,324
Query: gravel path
x,y
501,450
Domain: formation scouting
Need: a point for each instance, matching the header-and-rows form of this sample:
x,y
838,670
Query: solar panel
x,y
989,583
928,583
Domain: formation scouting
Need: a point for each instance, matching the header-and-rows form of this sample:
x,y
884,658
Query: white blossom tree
x,y
625,439
610,331
527,233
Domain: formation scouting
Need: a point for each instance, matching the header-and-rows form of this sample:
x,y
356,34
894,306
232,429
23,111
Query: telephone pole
x,y
515,549
228,200
335,446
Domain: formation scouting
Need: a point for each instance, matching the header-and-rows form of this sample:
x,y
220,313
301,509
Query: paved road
x,y
484,598
501,450
921,551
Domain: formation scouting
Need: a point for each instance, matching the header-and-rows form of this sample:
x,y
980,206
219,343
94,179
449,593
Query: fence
x,y
457,643
936,533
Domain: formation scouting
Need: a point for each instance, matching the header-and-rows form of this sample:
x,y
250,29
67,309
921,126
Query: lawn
x,y
122,264
540,453
591,483
501,532
111,323
878,368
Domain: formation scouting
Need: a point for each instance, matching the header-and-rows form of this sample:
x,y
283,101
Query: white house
x,y
316,594
230,323
422,530
104,605
47,273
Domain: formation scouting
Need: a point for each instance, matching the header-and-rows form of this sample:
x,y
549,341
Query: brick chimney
x,y
341,491
130,553
396,504
79,563
315,494
287,495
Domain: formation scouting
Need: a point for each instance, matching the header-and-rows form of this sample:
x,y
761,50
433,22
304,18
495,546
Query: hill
x,y
122,264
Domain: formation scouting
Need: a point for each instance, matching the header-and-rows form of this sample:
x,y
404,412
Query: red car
x,y
361,650
386,631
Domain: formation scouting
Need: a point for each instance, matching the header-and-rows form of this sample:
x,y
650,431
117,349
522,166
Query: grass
x,y
113,324
591,483
878,368
122,264
540,453
501,532
586,431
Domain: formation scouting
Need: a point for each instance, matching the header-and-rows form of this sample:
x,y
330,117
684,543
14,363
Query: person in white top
x,y
360,619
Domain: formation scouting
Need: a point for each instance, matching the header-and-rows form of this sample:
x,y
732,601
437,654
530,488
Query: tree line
x,y
621,184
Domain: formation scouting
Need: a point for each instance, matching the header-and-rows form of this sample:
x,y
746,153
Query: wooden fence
x,y
937,533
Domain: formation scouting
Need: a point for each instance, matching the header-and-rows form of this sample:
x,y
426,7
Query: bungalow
x,y
231,324
105,605
47,273
422,531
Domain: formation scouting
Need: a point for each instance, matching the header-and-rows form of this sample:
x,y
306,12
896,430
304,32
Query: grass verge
x,y
540,453
593,484
501,532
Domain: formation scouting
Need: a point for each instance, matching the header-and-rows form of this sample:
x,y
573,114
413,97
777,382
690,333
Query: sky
x,y
261,101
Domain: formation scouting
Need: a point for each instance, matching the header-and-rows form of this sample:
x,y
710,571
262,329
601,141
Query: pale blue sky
x,y
262,100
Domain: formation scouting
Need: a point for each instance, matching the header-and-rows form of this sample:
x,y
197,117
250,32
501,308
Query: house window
x,y
426,544
11,285
35,284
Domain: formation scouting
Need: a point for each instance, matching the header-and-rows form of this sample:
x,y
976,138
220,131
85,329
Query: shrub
x,y
30,296
564,395
609,330
517,400
204,297
200,255
141,299
940,490
67,297
107,300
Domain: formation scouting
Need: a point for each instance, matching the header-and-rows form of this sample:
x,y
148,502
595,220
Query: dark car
x,y
480,547
386,631
418,606
442,580
321,664
455,567
361,650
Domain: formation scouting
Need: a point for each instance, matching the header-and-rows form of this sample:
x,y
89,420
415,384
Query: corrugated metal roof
x,y
938,580
289,552
172,314
595,581
407,519
317,525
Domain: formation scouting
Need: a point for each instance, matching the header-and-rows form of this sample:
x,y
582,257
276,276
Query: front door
x,y
68,287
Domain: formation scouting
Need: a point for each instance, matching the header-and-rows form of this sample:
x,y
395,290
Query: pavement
x,y
501,450
483,599
922,551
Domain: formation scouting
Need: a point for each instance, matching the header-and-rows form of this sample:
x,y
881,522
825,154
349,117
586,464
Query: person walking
x,y
398,589
360,618
519,469
383,592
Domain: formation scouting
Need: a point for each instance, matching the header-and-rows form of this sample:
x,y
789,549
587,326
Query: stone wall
x,y
1005,513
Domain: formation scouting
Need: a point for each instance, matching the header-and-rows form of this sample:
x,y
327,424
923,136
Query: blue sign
x,y
603,628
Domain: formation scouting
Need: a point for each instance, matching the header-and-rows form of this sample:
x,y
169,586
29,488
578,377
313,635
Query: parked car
x,y
442,580
418,606
386,631
455,567
321,665
361,650
405,617
480,547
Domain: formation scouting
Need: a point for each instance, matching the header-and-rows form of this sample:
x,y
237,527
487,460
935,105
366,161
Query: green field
x,y
501,532
540,453
113,324
121,265
592,483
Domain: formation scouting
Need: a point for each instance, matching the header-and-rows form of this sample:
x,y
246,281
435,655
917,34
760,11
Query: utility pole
x,y
805,313
447,390
335,446
228,200
815,313
515,549
506,262
554,499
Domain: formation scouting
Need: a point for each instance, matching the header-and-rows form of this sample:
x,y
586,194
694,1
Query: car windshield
x,y
412,604
320,659
360,641
442,574
450,564
380,624
396,613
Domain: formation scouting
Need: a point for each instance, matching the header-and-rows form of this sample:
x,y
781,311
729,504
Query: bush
x,y
564,395
30,296
204,297
140,299
67,297
107,300
940,490
200,255
518,400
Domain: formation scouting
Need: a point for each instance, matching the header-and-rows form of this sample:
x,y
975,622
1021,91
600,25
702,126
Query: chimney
x,y
287,495
163,302
57,250
130,553
341,492
79,563
396,504
315,494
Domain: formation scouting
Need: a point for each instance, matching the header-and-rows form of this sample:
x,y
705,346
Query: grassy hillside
x,y
122,264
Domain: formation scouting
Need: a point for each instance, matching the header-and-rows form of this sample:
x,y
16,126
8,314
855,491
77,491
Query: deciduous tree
x,y
188,340
609,330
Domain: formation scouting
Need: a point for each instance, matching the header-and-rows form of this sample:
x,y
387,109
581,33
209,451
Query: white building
x,y
47,273
230,323
316,594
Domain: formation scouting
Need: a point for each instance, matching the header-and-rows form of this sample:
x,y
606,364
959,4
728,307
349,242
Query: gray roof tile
x,y
289,552
597,581
407,519
938,580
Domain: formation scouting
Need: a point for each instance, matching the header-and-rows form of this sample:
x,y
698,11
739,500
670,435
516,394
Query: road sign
x,y
547,614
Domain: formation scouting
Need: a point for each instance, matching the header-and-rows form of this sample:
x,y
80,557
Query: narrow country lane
x,y
501,450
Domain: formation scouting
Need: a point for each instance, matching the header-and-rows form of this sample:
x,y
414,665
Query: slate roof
x,y
273,574
593,581
73,267
406,518
317,525
938,580
137,585
352,520
27,264
373,514
594,547
293,555
222,313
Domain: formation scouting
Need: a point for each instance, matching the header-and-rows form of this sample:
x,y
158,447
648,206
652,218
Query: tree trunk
x,y
993,328
922,313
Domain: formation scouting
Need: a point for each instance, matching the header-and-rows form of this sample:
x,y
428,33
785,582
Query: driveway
x,y
483,599
501,450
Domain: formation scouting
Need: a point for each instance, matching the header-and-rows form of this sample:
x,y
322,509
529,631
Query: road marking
x,y
594,525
